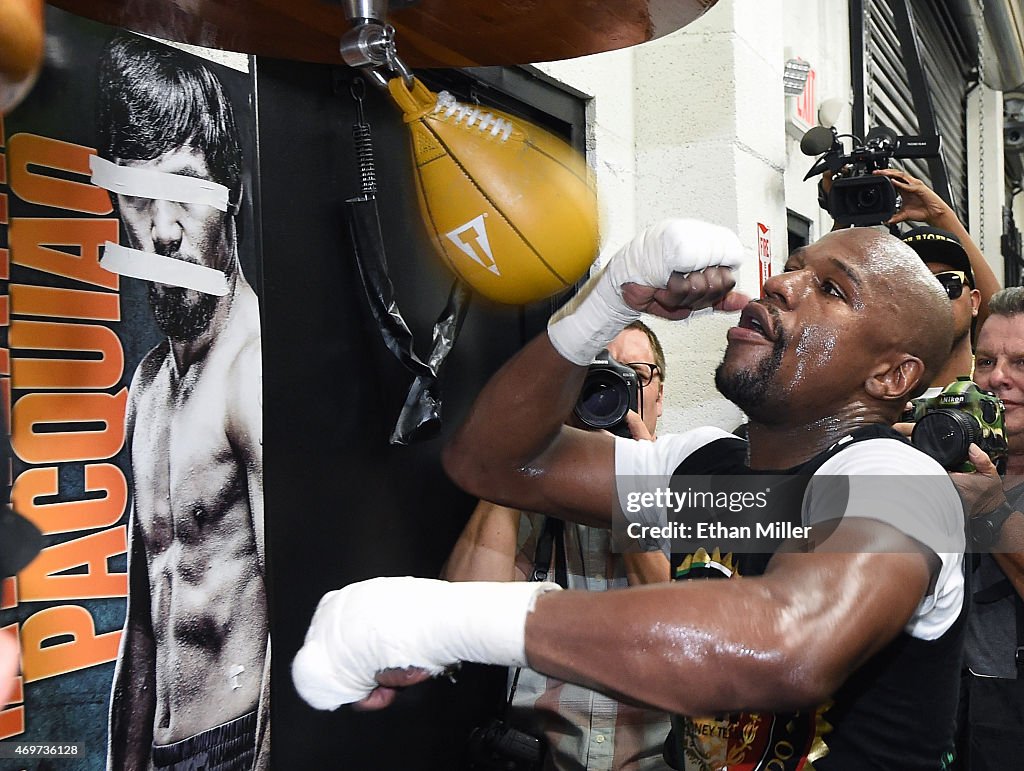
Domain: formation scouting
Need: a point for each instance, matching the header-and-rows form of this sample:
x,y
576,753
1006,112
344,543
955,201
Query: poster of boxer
x,y
132,374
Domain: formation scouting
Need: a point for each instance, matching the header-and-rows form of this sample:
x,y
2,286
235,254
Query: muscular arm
x,y
783,640
514,449
487,547
133,696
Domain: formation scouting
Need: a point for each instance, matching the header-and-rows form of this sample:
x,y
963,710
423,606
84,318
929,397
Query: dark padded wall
x,y
342,504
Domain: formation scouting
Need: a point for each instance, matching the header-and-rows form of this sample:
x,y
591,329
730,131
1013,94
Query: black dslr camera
x,y
858,196
948,423
499,747
609,391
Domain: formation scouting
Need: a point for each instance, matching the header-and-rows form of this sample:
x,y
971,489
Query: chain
x,y
980,229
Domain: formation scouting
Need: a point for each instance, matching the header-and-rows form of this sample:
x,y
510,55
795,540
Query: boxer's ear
x,y
895,380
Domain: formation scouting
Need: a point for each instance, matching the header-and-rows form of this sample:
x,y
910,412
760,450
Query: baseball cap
x,y
20,541
935,245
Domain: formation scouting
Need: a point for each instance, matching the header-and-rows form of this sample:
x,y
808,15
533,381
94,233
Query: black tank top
x,y
895,712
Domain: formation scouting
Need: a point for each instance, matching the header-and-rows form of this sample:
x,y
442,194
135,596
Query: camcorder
x,y
859,197
610,390
947,424
498,746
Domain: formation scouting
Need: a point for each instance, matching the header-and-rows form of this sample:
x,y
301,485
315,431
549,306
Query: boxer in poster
x,y
192,677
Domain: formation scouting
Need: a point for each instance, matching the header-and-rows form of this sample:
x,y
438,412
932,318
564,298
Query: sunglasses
x,y
953,282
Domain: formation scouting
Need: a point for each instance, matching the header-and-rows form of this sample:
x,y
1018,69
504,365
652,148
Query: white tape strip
x,y
163,270
158,185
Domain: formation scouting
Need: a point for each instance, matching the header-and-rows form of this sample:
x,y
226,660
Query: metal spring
x,y
364,156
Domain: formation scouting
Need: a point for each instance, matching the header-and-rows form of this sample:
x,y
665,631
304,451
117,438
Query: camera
x,y
859,197
499,747
947,424
609,391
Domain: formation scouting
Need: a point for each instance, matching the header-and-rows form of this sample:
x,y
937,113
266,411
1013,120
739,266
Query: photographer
x,y
992,708
919,203
947,259
583,729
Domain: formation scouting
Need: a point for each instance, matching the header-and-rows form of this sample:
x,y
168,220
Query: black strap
x,y
420,417
994,592
550,542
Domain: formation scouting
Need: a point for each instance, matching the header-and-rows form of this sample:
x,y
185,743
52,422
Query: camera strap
x,y
549,543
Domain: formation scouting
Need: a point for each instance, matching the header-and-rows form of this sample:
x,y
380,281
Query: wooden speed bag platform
x,y
430,33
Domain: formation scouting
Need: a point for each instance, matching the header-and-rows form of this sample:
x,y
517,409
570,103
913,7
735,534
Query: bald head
x,y
910,310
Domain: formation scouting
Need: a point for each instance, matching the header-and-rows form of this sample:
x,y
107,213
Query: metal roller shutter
x,y
947,67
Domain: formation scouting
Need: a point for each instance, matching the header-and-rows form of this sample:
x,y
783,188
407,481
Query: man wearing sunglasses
x,y
582,729
946,258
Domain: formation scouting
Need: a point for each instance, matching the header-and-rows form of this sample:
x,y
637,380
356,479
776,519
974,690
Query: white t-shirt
x,y
918,498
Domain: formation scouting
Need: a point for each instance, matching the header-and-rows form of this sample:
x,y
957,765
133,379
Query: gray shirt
x,y
992,627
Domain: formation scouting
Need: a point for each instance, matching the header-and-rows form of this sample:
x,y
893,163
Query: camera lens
x,y
604,399
601,400
946,435
867,198
609,391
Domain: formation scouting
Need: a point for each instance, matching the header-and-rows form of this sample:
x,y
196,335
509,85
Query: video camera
x,y
859,197
948,423
609,391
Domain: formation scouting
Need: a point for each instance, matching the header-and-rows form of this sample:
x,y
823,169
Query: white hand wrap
x,y
592,319
387,623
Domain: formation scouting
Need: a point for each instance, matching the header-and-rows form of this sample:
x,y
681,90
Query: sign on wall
x,y
764,257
